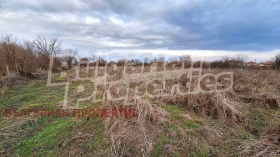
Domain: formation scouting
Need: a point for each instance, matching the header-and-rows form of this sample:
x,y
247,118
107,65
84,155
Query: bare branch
x,y
70,56
241,57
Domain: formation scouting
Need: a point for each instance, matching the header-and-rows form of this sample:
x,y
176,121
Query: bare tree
x,y
101,61
45,48
186,60
28,60
70,56
8,53
225,60
241,57
277,61
27,57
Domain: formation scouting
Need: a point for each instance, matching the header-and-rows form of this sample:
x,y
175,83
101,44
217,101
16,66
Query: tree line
x,y
23,57
28,56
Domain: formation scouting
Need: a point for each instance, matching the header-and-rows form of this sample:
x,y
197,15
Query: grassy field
x,y
242,122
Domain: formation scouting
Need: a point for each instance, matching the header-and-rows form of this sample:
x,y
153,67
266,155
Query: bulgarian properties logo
x,y
98,80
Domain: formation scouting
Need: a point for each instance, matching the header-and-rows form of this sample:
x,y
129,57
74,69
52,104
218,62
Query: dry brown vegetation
x,y
26,58
30,59
253,90
266,145
243,121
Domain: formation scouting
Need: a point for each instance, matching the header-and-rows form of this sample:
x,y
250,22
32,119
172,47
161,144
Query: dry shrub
x,y
268,144
261,87
251,88
258,87
138,132
222,106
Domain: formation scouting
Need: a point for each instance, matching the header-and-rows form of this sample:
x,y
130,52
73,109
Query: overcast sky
x,y
211,27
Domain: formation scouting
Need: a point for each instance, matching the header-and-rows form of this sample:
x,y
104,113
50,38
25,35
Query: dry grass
x,y
231,108
260,87
219,120
222,106
138,132
268,144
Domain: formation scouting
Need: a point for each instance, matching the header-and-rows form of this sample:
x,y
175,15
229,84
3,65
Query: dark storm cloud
x,y
231,24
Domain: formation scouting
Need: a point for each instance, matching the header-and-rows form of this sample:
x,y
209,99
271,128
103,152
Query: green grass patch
x,y
36,92
43,143
192,123
158,147
257,120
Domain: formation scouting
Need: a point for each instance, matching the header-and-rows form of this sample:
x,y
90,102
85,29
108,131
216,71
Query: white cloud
x,y
152,26
92,21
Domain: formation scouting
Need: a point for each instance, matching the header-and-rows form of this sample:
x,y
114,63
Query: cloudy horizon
x,y
197,27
